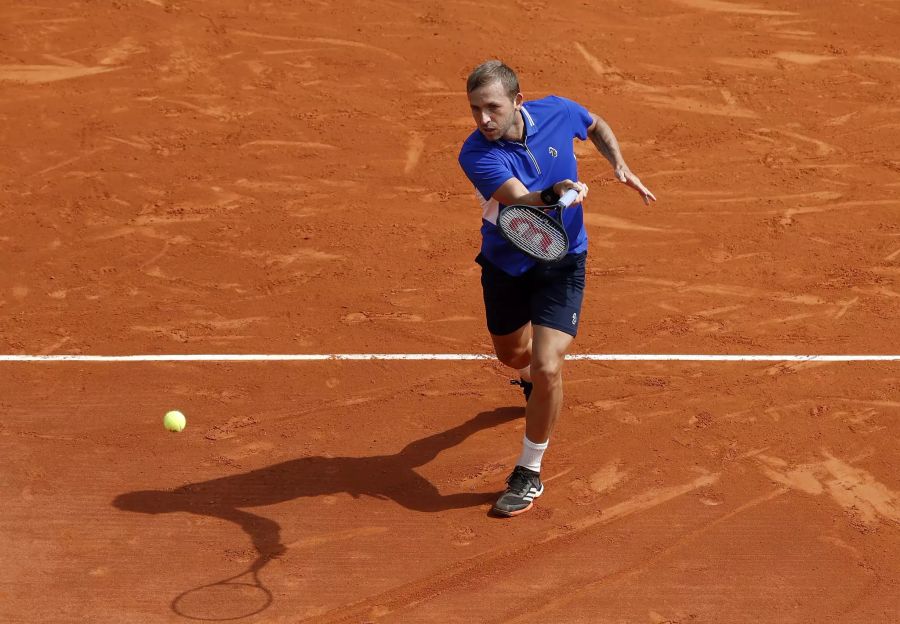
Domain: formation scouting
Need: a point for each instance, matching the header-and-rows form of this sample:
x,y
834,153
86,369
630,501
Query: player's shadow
x,y
381,476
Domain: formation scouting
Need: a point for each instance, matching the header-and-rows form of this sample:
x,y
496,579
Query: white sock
x,y
532,454
525,373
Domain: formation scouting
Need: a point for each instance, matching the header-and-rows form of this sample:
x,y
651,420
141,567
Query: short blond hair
x,y
488,72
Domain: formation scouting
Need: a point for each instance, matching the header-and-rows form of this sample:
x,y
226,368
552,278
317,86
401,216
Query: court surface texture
x,y
265,178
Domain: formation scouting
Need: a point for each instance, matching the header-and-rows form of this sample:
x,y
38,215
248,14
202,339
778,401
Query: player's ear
x,y
518,100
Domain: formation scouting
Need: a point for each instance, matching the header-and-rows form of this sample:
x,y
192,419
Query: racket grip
x,y
567,198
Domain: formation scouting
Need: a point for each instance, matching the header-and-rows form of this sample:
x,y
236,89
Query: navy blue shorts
x,y
549,295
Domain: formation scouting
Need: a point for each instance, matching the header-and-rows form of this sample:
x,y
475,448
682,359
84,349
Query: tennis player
x,y
522,153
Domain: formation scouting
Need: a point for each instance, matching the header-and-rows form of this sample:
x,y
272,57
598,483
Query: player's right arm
x,y
513,192
493,178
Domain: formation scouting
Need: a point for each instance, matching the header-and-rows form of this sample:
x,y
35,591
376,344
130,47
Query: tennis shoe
x,y
522,487
526,387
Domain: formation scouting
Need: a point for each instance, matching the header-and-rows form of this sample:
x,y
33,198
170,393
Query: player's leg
x,y
541,412
514,350
548,355
556,308
556,311
506,306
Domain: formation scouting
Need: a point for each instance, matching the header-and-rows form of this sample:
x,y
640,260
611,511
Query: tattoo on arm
x,y
606,143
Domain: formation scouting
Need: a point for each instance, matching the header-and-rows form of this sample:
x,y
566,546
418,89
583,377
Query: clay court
x,y
248,177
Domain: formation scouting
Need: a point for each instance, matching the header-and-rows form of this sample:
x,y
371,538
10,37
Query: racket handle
x,y
568,197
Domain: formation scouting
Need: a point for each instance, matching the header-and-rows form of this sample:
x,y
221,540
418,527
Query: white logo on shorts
x,y
574,318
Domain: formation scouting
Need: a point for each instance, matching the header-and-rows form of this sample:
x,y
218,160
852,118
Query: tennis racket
x,y
534,231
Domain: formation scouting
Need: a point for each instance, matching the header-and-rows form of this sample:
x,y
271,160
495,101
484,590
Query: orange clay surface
x,y
281,177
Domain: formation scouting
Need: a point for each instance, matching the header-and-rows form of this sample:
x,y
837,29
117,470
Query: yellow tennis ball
x,y
174,421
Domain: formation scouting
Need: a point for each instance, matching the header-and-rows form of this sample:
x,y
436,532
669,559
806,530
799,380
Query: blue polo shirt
x,y
544,157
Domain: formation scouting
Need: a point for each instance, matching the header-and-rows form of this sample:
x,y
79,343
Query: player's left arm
x,y
602,136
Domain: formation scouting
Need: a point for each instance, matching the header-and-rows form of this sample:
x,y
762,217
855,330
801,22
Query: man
x,y
522,153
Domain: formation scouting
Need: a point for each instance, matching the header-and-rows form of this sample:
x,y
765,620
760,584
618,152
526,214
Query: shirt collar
x,y
532,127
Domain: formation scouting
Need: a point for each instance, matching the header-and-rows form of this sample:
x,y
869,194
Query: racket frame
x,y
544,217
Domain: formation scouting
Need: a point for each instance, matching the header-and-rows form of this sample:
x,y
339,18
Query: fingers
x,y
634,182
646,195
567,185
582,189
564,186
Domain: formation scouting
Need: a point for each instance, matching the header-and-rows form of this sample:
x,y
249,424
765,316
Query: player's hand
x,y
624,175
561,187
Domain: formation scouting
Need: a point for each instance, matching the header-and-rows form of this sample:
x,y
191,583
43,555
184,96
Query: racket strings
x,y
534,233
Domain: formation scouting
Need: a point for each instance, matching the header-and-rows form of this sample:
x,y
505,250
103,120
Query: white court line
x,y
595,357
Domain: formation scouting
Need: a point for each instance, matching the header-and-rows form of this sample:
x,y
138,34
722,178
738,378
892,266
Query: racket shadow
x,y
234,598
387,477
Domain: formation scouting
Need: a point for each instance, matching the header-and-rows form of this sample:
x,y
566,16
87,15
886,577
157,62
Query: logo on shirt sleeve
x,y
553,152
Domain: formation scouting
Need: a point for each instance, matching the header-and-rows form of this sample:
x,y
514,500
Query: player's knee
x,y
547,372
514,358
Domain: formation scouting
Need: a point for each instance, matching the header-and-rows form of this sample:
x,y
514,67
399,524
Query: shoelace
x,y
519,482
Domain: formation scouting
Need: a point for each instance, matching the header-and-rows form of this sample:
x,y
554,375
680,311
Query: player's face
x,y
493,110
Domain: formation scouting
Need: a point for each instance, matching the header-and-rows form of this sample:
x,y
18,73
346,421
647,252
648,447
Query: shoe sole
x,y
510,514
